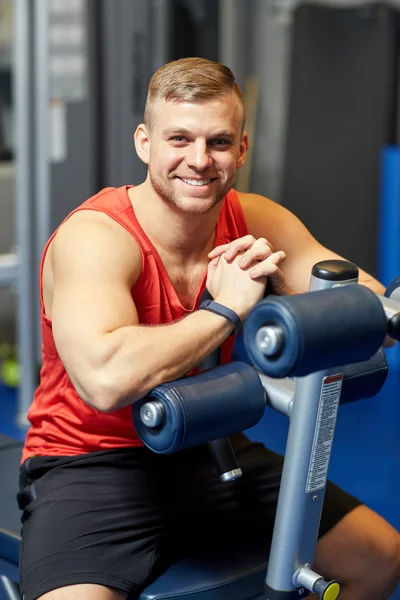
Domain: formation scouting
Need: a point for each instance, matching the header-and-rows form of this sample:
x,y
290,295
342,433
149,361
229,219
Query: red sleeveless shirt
x,y
61,423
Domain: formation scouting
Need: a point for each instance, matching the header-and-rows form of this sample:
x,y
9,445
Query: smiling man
x,y
193,148
120,285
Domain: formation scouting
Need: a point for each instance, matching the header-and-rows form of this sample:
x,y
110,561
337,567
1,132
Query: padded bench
x,y
237,575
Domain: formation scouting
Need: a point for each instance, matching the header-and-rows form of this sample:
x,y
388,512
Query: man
x,y
120,286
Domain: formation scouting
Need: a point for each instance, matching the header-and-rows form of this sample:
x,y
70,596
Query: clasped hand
x,y
238,272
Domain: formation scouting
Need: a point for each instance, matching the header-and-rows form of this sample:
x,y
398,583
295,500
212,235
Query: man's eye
x,y
178,138
220,142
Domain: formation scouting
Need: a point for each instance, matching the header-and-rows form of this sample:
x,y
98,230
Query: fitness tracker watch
x,y
223,311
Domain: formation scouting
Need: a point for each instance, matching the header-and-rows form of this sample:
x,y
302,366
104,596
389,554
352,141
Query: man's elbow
x,y
373,284
106,395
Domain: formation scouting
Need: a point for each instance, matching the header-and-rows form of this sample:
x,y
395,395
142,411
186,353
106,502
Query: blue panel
x,y
389,234
389,264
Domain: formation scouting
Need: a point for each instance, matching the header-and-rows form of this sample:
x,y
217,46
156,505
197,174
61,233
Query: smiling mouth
x,y
196,182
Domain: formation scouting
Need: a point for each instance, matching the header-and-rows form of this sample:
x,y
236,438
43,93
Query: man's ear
x,y
243,149
142,143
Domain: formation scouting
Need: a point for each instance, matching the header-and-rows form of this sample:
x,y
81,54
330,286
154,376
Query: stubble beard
x,y
170,195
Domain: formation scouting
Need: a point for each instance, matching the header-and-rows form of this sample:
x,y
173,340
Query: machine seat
x,y
238,575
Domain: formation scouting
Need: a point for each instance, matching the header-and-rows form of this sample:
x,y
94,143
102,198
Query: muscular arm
x,y
286,232
110,358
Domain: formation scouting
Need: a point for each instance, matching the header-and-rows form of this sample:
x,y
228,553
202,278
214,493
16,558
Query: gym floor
x,y
366,451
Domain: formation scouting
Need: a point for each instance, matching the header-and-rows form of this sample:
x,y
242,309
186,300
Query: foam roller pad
x,y
322,329
392,287
203,408
364,380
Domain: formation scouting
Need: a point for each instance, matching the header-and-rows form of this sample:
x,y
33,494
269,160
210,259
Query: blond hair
x,y
190,80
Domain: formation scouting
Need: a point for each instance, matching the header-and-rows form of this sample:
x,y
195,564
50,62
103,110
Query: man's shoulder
x,y
104,196
264,217
104,206
102,211
256,204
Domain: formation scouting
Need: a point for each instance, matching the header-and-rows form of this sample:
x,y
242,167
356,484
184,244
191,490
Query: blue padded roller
x,y
392,287
364,380
321,329
202,408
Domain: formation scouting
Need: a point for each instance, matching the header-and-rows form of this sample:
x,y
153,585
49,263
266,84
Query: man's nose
x,y
198,156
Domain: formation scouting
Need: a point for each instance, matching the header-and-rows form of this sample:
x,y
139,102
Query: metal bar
x,y
304,476
280,393
390,306
41,93
23,187
10,588
42,165
8,269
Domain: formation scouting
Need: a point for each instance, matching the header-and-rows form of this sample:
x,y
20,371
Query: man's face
x,y
195,150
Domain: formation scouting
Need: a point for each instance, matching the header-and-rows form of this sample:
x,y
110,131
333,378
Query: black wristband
x,y
223,311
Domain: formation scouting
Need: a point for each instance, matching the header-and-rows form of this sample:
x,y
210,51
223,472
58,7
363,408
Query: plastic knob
x,y
327,590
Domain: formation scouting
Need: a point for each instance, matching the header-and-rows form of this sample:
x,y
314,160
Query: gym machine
x,y
330,341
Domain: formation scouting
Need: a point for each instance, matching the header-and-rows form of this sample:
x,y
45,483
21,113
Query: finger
x,y
211,269
239,245
268,266
278,283
218,251
277,257
259,251
214,262
265,241
276,279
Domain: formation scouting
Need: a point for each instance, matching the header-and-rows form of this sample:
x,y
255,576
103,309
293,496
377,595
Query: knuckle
x,y
249,239
264,241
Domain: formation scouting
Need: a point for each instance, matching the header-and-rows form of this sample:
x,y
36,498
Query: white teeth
x,y
196,181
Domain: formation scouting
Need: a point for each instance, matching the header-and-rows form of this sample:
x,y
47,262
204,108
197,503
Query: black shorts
x,y
117,517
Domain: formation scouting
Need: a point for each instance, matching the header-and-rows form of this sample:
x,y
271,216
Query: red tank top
x,y
61,423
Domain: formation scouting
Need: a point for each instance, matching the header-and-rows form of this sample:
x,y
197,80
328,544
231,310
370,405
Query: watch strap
x,y
223,311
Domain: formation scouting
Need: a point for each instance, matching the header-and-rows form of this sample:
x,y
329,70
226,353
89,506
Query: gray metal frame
x,y
299,511
299,505
32,185
9,589
42,213
22,275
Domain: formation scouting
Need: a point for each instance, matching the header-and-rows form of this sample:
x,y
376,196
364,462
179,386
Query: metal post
x,y
280,393
10,588
41,92
23,196
42,167
304,476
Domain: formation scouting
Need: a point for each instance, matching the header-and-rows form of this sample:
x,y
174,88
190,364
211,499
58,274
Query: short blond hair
x,y
191,80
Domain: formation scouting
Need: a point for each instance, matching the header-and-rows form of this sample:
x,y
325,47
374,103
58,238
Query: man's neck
x,y
187,237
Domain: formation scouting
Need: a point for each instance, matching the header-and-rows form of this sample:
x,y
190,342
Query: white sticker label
x,y
323,437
